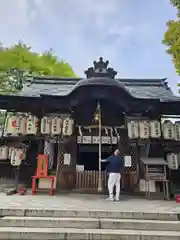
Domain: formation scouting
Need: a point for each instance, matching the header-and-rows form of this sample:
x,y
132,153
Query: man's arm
x,y
106,160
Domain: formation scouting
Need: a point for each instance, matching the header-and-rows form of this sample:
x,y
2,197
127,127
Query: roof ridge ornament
x,y
100,69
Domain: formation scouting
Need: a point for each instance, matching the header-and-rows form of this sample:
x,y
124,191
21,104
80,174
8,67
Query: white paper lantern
x,y
133,129
15,157
18,124
68,127
20,155
155,129
56,125
116,132
172,159
46,125
177,130
144,129
21,125
10,151
3,152
11,123
31,125
168,130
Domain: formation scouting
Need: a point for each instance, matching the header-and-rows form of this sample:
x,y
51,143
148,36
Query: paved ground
x,y
87,202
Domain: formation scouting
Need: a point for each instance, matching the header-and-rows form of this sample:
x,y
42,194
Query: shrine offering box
x,y
42,165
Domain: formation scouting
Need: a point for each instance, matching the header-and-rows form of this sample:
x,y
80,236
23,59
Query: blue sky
x,y
128,33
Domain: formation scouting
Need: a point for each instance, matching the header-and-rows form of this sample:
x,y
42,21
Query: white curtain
x,y
49,150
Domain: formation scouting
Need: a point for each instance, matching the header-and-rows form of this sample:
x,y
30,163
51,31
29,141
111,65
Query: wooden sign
x,y
42,165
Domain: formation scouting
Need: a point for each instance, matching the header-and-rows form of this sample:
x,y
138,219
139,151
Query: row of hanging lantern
x,y
57,125
145,129
17,124
15,155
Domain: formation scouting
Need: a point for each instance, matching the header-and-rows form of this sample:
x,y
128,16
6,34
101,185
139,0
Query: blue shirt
x,y
115,164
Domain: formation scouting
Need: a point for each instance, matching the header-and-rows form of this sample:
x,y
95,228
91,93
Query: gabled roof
x,y
138,88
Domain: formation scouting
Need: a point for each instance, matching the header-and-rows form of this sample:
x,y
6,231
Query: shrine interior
x,y
88,156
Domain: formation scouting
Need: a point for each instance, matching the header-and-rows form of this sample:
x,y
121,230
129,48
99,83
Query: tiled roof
x,y
138,88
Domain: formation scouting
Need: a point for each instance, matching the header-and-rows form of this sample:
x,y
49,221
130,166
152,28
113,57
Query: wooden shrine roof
x,y
137,88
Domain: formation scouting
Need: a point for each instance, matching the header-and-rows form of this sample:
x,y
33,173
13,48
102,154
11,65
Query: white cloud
x,y
126,32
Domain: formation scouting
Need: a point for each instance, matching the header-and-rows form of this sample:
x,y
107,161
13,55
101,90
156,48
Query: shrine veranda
x,y
60,117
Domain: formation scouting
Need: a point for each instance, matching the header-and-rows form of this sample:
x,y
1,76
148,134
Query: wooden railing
x,y
89,179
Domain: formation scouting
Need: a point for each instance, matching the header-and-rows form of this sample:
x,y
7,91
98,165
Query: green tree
x,y
19,61
172,37
176,3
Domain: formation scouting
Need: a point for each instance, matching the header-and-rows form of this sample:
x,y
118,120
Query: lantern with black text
x,y
144,129
10,151
46,125
32,125
20,155
68,127
11,124
21,125
168,130
56,125
172,159
18,124
15,157
177,131
133,129
155,129
3,152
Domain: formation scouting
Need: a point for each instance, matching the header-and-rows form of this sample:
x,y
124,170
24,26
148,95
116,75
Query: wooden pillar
x,y
41,146
65,174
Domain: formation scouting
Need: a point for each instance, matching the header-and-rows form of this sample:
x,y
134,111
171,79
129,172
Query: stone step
x,y
9,233
90,214
90,223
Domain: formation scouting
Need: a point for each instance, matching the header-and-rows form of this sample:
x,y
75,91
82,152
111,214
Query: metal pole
x,y
100,187
58,160
17,177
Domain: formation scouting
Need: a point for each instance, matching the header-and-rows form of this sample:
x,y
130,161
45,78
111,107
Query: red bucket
x,y
22,191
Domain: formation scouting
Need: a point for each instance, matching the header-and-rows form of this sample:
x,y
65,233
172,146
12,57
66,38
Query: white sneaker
x,y
110,199
116,199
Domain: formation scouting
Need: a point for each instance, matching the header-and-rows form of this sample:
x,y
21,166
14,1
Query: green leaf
x,y
172,37
23,59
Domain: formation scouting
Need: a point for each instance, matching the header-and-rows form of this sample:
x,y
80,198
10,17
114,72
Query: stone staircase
x,y
84,224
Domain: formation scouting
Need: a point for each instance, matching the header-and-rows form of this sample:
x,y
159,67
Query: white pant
x,y
114,181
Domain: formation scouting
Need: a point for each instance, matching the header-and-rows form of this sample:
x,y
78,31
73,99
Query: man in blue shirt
x,y
114,169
